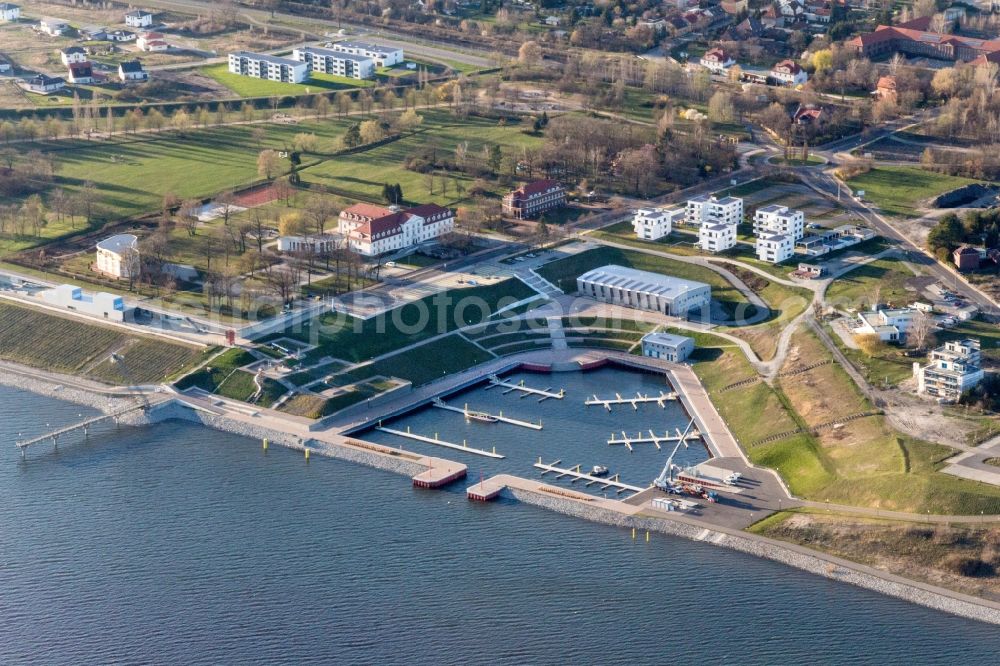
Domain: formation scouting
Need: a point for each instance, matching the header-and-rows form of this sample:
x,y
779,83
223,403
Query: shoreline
x,y
410,464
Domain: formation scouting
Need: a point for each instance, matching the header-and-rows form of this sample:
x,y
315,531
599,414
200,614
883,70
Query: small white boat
x,y
599,470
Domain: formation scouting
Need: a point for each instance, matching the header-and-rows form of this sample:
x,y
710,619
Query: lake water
x,y
176,544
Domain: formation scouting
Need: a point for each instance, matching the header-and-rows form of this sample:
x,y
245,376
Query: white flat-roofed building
x,y
338,63
667,346
53,27
708,209
271,68
139,18
118,256
655,223
644,290
890,325
776,219
317,244
384,56
775,248
717,237
9,12
100,304
953,369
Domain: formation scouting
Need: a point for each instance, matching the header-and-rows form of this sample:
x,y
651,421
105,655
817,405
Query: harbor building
x,y
717,237
655,223
100,304
708,209
667,346
338,63
272,68
644,290
775,248
954,368
776,219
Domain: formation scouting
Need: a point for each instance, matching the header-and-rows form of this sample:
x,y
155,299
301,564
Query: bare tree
x,y
921,331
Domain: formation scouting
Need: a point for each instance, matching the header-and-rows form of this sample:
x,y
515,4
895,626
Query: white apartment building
x,y
890,325
118,256
139,18
384,56
338,63
374,230
717,237
9,12
953,369
775,219
775,248
272,68
708,209
655,223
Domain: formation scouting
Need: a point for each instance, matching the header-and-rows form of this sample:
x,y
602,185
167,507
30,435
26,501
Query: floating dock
x,y
590,479
544,394
639,399
652,438
485,417
440,442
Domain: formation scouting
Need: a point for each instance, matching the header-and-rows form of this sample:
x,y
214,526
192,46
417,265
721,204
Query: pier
x,y
484,416
84,425
440,442
635,402
590,479
652,438
544,394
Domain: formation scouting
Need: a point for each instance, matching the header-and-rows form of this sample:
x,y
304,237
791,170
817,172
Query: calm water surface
x,y
177,544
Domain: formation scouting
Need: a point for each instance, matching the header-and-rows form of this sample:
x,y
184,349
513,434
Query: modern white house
x,y
329,61
655,223
717,237
131,70
100,304
789,73
152,42
373,230
954,368
717,60
644,290
709,209
272,68
53,27
667,346
890,324
118,256
9,12
315,244
384,56
72,54
139,18
776,219
775,248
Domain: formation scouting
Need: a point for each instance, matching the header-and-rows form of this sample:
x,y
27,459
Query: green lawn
x,y
888,276
433,360
246,86
899,190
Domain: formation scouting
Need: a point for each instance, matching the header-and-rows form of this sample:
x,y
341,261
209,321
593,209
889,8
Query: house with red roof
x,y
914,39
789,73
372,230
533,199
717,60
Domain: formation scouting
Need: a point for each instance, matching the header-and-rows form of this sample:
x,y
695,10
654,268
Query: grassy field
x,y
246,86
786,303
66,345
563,272
223,376
888,276
433,360
899,190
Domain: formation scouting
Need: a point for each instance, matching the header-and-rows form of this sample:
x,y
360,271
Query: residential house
x,y
788,72
118,256
655,223
667,346
552,21
151,42
272,68
53,27
42,84
717,237
807,114
775,248
81,72
384,56
966,258
72,54
139,18
374,230
708,209
338,63
717,60
5,67
889,325
776,219
9,12
534,199
885,89
954,368
131,70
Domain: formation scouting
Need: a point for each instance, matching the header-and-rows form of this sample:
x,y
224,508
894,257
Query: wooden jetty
x,y
85,425
544,394
652,438
472,415
440,442
639,399
589,479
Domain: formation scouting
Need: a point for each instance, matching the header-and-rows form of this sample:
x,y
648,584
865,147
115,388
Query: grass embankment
x,y
899,190
70,346
248,86
563,273
223,376
786,303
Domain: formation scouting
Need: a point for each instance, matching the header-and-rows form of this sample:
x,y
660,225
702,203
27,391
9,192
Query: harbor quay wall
x,y
103,402
791,555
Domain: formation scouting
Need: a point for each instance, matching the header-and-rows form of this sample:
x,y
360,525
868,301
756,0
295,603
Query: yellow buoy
x,y
633,533
647,536
307,455
265,444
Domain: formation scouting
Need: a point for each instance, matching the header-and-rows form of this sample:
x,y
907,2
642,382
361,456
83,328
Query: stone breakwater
x,y
788,554
102,402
